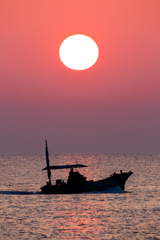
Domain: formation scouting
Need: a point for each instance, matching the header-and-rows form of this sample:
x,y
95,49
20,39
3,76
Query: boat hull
x,y
88,186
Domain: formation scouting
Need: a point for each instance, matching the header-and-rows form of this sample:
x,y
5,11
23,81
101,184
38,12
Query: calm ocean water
x,y
25,213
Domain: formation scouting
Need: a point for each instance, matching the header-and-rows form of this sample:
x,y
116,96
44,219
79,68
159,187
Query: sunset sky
x,y
112,107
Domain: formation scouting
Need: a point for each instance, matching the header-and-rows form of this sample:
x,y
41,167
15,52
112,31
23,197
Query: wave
x,y
18,193
116,189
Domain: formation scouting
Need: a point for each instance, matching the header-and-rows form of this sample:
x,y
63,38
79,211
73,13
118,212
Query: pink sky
x,y
113,107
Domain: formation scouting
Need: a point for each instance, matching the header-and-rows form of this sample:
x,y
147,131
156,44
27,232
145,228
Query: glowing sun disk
x,y
78,52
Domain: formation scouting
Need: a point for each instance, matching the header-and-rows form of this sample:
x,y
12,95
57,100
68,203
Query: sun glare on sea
x,y
78,52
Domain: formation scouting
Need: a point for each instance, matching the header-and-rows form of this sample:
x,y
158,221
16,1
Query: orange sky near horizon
x,y
113,105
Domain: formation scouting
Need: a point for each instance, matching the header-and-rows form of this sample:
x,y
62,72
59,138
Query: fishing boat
x,y
77,183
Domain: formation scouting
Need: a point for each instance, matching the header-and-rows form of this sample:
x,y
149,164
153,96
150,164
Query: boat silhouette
x,y
77,183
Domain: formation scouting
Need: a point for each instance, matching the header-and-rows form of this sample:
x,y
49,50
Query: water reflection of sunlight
x,y
83,218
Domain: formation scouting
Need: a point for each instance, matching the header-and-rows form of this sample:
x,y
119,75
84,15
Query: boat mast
x,y
47,162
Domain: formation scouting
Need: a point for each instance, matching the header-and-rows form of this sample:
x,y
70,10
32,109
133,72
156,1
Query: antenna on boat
x,y
47,162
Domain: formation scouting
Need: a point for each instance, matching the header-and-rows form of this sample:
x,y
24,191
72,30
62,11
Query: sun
x,y
78,52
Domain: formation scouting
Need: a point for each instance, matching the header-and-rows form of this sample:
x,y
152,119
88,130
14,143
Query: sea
x,y
26,213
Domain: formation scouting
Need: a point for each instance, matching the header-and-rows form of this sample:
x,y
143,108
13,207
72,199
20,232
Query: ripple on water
x,y
113,214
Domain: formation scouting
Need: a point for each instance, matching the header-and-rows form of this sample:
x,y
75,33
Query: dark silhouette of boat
x,y
77,183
